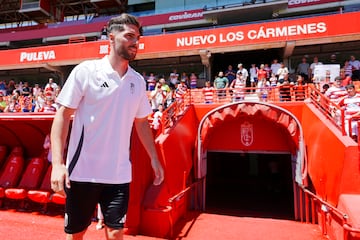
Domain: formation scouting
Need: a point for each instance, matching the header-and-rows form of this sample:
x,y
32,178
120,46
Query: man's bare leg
x,y
76,236
114,234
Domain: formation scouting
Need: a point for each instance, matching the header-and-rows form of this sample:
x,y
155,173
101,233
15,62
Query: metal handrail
x,y
196,96
327,208
175,198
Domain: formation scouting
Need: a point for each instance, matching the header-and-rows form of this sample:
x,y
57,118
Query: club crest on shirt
x,y
247,134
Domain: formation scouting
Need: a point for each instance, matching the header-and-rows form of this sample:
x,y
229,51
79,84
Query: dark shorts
x,y
81,201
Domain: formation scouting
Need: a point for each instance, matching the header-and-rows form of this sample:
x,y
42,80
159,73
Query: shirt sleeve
x,y
73,89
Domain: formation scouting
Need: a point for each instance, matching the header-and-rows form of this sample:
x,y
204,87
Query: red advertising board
x,y
258,33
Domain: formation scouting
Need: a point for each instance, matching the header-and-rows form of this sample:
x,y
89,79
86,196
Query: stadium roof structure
x,y
49,11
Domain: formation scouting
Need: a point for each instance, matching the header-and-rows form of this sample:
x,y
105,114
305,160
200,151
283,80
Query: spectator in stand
x,y
261,73
193,81
167,92
347,68
262,89
300,88
351,103
303,69
238,87
13,105
3,87
325,87
282,72
275,65
208,92
49,106
173,79
346,80
39,101
26,104
3,103
181,90
104,35
230,74
145,76
185,77
151,82
268,71
157,97
18,89
355,66
16,94
333,59
313,65
244,72
253,76
273,80
285,88
336,91
11,87
57,92
36,89
50,87
220,84
345,77
26,90
156,121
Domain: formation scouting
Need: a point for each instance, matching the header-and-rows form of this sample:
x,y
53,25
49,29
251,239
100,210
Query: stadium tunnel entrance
x,y
250,184
251,160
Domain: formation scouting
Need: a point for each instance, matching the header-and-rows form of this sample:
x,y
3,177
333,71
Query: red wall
x,y
333,159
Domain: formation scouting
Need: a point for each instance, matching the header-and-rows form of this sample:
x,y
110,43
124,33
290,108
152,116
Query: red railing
x,y
333,111
330,109
229,95
327,213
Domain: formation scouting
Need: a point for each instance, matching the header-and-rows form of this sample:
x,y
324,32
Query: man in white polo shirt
x,y
106,97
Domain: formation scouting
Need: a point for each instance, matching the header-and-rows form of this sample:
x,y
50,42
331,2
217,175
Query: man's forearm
x,y
59,132
146,137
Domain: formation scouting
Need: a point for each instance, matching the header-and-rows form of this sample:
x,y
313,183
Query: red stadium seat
x,y
31,179
45,195
3,153
42,195
58,199
12,170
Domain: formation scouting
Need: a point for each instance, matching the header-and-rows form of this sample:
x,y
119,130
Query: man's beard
x,y
126,54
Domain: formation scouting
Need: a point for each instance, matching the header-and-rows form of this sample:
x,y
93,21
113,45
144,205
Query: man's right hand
x,y
59,178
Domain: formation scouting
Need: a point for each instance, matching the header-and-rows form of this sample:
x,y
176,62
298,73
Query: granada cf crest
x,y
247,134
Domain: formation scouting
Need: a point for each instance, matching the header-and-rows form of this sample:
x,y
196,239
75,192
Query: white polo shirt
x,y
106,106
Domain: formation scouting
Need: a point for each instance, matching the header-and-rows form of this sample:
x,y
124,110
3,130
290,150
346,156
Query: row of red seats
x,y
20,180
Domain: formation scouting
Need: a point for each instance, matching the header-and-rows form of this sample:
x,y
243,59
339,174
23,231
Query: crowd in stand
x,y
163,91
260,79
21,97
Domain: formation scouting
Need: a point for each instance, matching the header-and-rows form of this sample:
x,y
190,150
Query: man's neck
x,y
119,64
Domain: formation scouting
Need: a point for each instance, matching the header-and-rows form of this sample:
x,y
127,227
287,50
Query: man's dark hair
x,y
350,86
117,23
